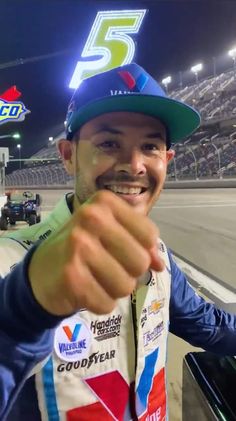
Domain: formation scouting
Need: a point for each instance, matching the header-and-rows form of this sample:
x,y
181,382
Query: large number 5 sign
x,y
109,38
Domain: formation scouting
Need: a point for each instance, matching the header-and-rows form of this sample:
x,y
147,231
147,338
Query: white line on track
x,y
219,294
223,205
213,201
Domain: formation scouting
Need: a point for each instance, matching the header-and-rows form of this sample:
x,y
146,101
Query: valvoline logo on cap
x,y
135,85
72,340
10,109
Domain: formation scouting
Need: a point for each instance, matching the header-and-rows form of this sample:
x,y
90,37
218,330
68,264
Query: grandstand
x,y
209,153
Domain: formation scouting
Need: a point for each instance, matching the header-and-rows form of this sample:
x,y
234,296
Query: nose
x,y
131,162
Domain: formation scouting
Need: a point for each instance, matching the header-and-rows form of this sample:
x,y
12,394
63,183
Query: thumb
x,y
157,263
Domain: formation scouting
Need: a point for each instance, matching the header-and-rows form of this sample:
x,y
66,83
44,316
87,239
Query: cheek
x,y
157,173
101,162
158,168
94,163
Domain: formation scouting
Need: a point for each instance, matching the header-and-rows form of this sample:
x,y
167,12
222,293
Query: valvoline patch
x,y
72,340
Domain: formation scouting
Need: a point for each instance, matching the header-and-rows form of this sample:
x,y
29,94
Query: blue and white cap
x,y
129,88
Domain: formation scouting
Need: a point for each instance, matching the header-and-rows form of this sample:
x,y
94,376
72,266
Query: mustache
x,y
123,178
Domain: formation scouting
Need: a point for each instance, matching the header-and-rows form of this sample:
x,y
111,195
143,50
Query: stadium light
x,y
232,54
11,136
19,148
16,136
196,69
166,82
50,139
180,79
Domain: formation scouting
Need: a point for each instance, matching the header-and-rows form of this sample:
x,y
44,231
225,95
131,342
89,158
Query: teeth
x,y
125,190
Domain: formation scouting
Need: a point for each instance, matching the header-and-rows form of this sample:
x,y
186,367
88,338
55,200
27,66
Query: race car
x,y
20,207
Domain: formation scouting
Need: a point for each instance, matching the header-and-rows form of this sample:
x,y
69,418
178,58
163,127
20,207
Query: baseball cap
x,y
129,88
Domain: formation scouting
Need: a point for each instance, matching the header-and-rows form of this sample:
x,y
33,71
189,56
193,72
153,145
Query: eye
x,y
108,145
150,147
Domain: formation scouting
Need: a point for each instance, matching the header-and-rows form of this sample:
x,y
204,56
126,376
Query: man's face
x,y
122,152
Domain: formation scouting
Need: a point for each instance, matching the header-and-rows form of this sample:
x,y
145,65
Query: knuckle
x,y
107,307
91,214
142,264
84,243
124,289
102,306
153,235
130,286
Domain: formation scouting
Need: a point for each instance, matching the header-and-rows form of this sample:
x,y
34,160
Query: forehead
x,y
125,121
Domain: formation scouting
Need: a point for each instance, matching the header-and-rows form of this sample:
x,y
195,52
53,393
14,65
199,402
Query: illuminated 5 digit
x,y
109,37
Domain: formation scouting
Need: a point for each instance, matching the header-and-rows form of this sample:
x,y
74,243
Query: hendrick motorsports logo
x,y
105,329
10,108
72,340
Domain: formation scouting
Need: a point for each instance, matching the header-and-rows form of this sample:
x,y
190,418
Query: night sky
x,y
50,35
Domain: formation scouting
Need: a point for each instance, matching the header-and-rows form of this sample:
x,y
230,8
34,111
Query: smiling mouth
x,y
118,189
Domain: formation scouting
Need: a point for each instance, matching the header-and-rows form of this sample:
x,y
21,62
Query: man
x,y
107,264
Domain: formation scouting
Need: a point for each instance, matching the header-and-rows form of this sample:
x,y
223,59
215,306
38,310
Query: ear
x,y
170,155
67,152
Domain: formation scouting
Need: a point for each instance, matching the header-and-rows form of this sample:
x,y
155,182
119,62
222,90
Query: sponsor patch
x,y
28,242
155,416
94,358
45,235
72,340
152,335
143,317
155,306
107,328
152,281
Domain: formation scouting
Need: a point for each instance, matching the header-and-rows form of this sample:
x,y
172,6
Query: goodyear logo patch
x,y
12,111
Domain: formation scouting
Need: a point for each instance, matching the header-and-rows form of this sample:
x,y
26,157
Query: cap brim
x,y
180,119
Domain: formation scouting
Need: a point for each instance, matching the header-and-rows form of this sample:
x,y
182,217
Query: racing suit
x,y
112,367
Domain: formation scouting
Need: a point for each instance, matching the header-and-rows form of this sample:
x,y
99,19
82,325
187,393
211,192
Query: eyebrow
x,y
156,135
111,130
108,129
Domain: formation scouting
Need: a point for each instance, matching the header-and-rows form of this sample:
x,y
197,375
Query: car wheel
x,y
12,222
38,219
3,223
32,219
